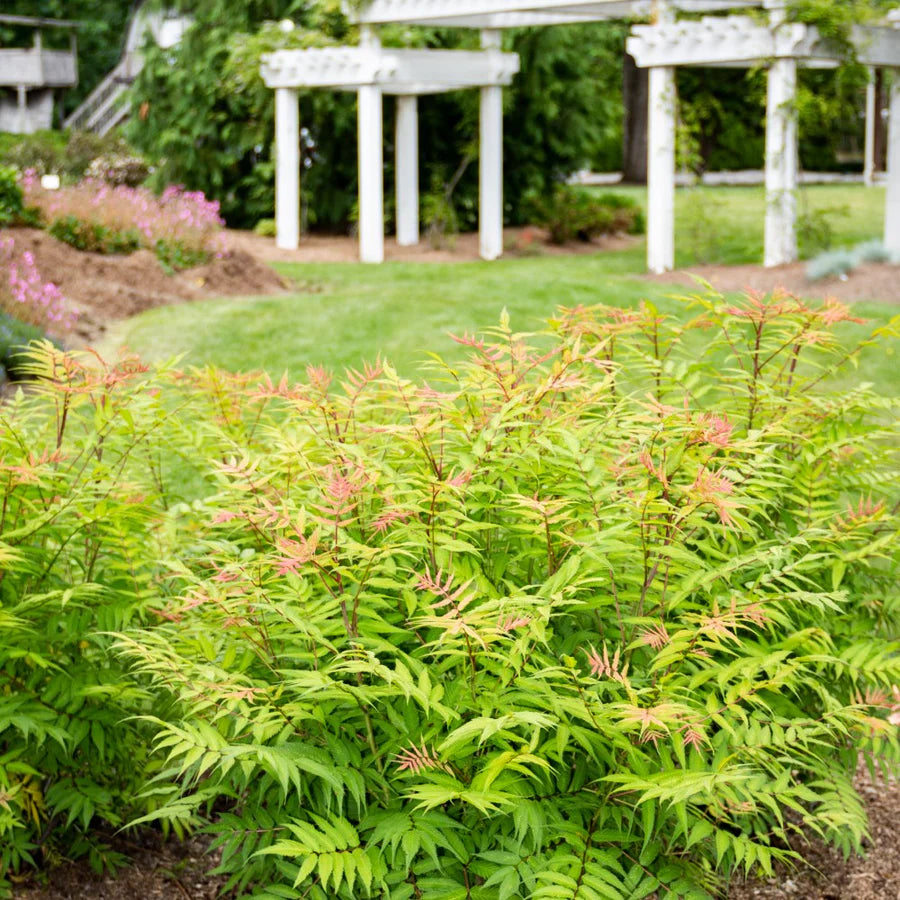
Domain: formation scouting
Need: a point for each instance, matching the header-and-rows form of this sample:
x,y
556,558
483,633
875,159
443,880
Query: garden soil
x,y
871,281
108,288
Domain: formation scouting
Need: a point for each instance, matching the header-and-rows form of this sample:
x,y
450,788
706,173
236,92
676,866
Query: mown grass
x,y
726,224
342,314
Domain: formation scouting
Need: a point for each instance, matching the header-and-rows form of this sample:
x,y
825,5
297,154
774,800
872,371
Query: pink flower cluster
x,y
25,296
176,217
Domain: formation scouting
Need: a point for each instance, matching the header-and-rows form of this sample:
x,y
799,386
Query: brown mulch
x,y
158,871
318,248
173,871
108,288
871,281
876,876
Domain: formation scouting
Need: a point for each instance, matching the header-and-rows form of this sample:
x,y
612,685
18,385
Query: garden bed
x,y
871,281
108,288
318,248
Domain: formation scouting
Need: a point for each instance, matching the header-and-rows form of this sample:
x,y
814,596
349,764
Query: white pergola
x,y
734,41
741,41
492,16
372,71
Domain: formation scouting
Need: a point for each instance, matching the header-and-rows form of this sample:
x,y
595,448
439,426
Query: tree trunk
x,y
636,96
880,122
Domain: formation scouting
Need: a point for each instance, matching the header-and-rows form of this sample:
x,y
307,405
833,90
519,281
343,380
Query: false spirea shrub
x,y
602,617
82,499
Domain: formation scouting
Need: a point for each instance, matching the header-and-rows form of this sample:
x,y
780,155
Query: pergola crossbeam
x,y
740,41
398,71
523,13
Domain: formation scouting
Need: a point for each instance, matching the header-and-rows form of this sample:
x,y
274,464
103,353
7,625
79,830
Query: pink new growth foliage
x,y
25,296
176,216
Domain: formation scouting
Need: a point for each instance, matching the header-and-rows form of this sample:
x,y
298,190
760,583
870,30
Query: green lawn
x,y
725,224
345,313
342,314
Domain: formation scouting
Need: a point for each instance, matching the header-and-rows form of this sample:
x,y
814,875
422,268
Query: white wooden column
x,y
871,113
406,176
782,160
287,169
371,175
661,160
892,210
371,163
491,161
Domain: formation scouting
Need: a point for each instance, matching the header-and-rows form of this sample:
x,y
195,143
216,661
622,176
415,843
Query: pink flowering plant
x,y
182,227
26,297
606,612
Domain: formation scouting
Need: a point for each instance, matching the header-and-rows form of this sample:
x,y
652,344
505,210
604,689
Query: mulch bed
x,y
878,282
109,288
173,871
875,876
159,870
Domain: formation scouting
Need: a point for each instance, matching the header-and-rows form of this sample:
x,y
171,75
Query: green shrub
x,y
14,336
838,263
83,147
11,199
606,616
80,518
94,237
177,255
816,228
119,168
571,214
266,228
69,154
44,152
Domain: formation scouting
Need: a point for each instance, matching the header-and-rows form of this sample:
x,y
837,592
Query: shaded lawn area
x,y
343,314
726,224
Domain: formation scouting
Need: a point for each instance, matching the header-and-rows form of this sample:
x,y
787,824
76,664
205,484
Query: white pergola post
x,y
871,113
371,175
782,161
892,211
287,169
491,161
370,137
661,160
406,175
407,73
